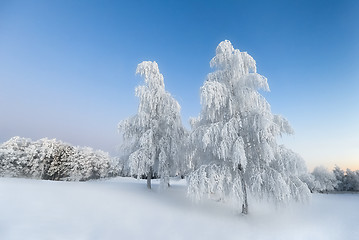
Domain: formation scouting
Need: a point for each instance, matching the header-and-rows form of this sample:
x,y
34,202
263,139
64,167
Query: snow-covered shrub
x,y
15,158
233,140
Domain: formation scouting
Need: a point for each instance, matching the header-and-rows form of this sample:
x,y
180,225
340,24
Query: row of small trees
x,y
323,180
346,180
231,150
51,159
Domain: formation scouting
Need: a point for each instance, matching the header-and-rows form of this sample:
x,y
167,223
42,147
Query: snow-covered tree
x,y
346,180
234,149
351,180
153,138
341,179
324,180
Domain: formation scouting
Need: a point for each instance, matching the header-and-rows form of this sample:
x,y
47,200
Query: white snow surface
x,y
122,208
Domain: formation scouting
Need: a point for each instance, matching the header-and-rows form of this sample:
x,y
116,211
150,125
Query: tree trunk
x,y
149,177
244,189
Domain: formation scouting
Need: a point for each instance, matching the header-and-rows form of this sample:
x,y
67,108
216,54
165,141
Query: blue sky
x,y
67,68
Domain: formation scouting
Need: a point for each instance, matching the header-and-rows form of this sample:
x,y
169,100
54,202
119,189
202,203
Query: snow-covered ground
x,y
122,208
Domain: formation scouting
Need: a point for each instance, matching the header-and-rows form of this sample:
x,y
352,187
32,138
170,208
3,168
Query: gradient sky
x,y
67,67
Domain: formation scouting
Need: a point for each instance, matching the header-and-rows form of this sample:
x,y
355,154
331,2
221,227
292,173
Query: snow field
x,y
122,208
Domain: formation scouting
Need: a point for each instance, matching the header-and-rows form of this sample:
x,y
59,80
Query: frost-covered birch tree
x,y
153,138
235,152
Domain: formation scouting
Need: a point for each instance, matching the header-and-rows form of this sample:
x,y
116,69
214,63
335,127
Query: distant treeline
x,y
51,159
323,180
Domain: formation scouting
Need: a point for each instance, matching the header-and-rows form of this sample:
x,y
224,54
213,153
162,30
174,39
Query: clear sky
x,y
67,67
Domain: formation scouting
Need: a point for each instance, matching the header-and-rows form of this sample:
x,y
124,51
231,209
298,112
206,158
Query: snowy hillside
x,y
122,208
